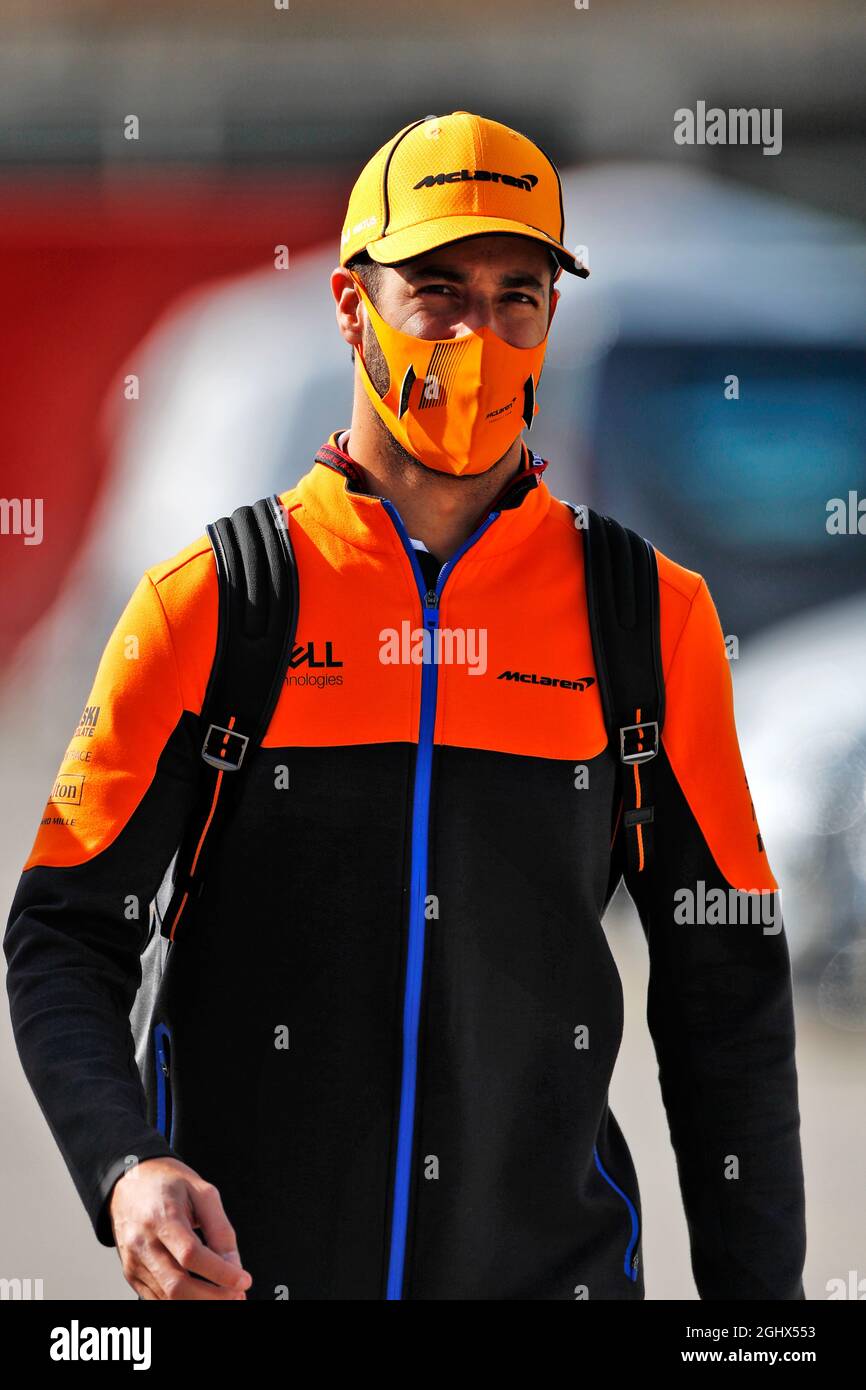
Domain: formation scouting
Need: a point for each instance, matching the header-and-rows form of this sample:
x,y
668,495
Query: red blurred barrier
x,y
86,268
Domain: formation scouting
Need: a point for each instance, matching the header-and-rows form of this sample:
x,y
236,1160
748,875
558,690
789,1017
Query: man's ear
x,y
555,296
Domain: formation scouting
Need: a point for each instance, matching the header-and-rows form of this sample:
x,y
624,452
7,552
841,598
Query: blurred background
x,y
153,257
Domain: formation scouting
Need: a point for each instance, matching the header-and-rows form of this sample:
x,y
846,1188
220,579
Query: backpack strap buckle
x,y
220,756
635,736
638,743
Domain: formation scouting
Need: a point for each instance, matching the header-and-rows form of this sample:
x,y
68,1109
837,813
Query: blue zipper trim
x,y
415,951
630,1270
160,1033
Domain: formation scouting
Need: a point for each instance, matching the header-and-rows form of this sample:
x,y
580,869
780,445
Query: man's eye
x,y
513,296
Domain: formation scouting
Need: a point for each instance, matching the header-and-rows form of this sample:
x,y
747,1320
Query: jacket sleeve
x,y
719,1007
80,915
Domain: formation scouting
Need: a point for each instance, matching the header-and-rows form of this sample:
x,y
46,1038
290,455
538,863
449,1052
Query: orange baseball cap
x,y
447,177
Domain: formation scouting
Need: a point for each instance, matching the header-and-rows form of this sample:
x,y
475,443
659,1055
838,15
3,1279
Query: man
x,y
395,1015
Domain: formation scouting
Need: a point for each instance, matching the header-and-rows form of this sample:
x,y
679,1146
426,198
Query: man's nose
x,y
478,314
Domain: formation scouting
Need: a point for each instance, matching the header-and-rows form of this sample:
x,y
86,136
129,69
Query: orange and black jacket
x,y
389,1035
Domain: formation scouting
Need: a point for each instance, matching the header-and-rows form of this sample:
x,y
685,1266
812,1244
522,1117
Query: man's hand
x,y
155,1210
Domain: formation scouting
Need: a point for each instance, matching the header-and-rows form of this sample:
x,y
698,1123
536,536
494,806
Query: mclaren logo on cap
x,y
526,181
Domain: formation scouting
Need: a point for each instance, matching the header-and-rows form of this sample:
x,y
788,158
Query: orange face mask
x,y
456,404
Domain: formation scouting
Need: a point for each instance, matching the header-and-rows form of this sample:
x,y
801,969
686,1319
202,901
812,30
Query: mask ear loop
x,y
528,402
359,288
405,390
361,292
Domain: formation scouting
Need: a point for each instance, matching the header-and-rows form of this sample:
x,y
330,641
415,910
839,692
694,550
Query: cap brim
x,y
426,236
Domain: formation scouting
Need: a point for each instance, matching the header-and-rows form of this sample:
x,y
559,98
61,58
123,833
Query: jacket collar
x,y
334,493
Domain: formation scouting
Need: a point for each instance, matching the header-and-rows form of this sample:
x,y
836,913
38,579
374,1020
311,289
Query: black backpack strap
x,y
623,603
258,612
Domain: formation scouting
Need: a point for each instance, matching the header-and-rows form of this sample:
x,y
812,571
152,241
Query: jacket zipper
x,y
631,1260
430,600
164,1103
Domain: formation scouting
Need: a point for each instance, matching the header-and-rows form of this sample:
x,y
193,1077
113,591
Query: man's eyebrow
x,y
459,277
